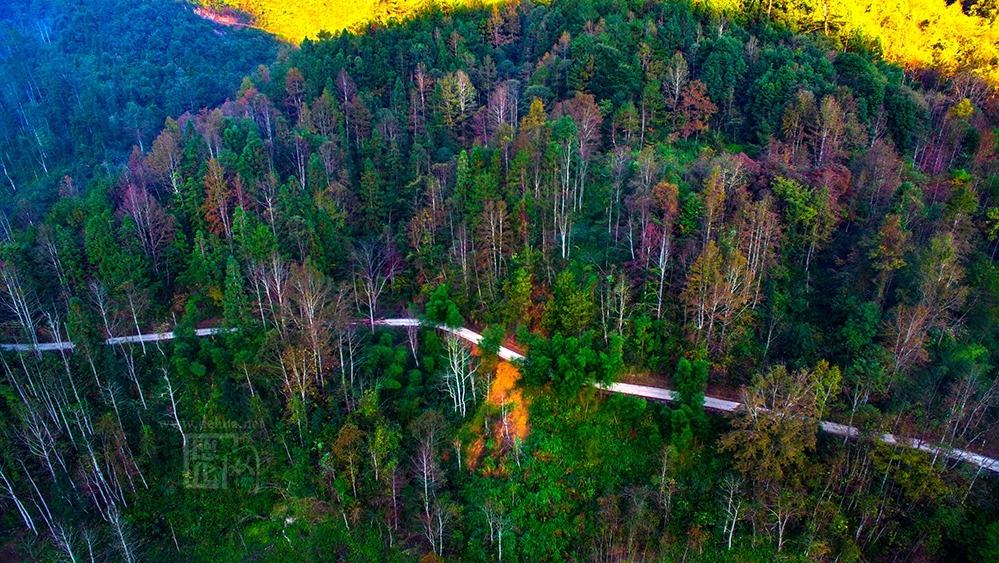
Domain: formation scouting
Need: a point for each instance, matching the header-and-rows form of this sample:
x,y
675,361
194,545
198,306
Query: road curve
x,y
643,391
461,332
722,405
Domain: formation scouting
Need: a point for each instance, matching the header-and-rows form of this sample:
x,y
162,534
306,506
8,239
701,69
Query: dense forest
x,y
655,192
944,36
83,81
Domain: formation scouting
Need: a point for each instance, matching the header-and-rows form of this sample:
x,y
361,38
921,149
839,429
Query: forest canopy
x,y
295,20
946,37
656,193
84,81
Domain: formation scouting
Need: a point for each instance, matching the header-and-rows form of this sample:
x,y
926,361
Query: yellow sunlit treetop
x,y
926,33
913,33
296,20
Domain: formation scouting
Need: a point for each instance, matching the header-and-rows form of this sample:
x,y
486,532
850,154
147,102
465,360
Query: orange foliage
x,y
512,427
504,392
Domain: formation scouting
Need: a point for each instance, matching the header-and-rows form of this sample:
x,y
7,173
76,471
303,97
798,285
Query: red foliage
x,y
696,109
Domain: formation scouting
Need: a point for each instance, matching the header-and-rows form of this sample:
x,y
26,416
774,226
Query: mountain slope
x,y
83,81
296,20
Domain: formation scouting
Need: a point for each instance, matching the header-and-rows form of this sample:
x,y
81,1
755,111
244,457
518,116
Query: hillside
x,y
83,81
638,192
295,20
917,34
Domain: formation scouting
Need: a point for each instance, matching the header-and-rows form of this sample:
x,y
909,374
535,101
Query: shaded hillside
x,y
84,81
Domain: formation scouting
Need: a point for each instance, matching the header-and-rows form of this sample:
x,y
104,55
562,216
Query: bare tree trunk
x,y
119,529
132,306
172,397
730,488
133,373
21,509
18,301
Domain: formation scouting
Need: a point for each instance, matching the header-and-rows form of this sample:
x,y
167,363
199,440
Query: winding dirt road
x,y
643,391
724,405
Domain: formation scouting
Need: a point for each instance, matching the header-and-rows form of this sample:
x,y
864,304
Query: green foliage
x,y
571,362
570,309
852,218
723,67
905,118
517,293
691,381
988,549
442,310
127,65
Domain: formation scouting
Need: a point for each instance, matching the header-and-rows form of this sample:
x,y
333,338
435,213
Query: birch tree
x,y
375,265
428,430
311,301
172,396
731,489
154,227
20,300
456,100
459,374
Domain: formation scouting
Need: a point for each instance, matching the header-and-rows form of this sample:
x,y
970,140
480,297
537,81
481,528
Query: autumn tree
x,y
218,201
677,75
828,132
346,94
660,238
153,225
312,300
968,404
887,250
586,115
777,422
798,115
494,233
429,477
456,100
375,265
759,235
294,86
718,292
20,300
163,161
694,109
